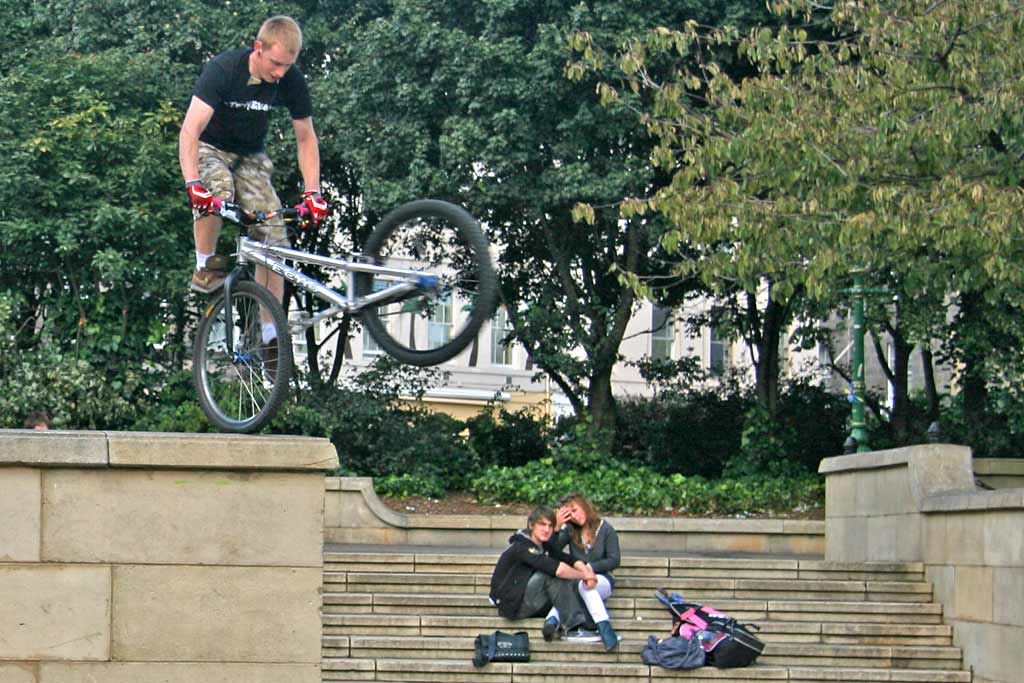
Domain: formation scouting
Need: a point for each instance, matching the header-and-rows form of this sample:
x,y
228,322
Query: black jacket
x,y
520,560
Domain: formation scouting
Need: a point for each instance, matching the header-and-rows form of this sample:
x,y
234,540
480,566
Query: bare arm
x,y
308,152
566,572
196,119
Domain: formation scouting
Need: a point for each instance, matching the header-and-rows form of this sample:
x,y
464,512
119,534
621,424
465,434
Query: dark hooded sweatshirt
x,y
520,560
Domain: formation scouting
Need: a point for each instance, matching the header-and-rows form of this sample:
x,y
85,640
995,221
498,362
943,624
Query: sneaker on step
x,y
549,629
582,635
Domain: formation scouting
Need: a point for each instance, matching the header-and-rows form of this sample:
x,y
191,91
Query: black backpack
x,y
726,642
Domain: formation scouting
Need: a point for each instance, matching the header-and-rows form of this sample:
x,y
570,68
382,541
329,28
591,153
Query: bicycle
x,y
421,259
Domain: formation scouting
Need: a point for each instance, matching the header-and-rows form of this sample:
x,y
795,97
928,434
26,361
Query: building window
x,y
501,350
439,327
663,333
718,357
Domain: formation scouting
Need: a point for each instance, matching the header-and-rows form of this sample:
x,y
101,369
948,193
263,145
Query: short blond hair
x,y
283,31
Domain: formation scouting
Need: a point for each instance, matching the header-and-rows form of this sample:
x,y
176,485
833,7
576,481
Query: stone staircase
x,y
410,614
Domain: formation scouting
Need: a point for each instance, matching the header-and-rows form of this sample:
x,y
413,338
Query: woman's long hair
x,y
593,518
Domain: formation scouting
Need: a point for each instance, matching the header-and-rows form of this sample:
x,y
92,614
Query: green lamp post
x,y
858,430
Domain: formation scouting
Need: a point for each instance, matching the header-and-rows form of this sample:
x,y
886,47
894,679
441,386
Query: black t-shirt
x,y
241,112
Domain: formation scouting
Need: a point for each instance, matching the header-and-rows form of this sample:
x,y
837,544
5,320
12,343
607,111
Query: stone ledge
x,y
999,466
1008,499
165,451
355,515
364,486
890,458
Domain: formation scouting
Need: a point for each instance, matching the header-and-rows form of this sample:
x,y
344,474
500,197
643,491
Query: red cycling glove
x,y
199,196
316,204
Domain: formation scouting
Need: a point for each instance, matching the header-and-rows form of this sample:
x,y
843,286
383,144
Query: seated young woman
x,y
593,542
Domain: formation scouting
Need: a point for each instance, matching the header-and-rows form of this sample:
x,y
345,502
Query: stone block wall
x,y
160,558
920,504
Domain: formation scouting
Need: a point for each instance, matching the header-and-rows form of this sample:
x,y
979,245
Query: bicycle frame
x,y
272,257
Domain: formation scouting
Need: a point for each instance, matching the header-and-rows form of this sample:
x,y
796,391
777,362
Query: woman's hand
x,y
563,516
589,577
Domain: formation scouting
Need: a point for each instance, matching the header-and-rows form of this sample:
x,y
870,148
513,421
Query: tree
x,y
85,175
892,141
96,238
468,101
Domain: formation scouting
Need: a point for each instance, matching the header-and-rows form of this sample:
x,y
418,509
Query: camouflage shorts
x,y
245,180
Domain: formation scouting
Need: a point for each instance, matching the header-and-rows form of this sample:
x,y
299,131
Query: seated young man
x,y
532,578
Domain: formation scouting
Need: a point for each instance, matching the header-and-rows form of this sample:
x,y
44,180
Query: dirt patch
x,y
462,504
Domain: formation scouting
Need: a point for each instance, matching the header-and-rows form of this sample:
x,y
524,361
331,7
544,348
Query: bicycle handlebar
x,y
236,214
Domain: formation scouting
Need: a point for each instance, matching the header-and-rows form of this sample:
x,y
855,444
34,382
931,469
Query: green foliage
x,y
378,435
578,463
883,135
74,393
692,433
409,486
510,439
172,406
695,431
468,101
762,445
95,253
616,488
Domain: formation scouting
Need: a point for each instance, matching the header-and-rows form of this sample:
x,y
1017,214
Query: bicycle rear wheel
x,y
456,295
241,389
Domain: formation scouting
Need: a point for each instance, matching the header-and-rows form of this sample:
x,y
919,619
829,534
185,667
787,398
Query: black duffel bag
x,y
501,647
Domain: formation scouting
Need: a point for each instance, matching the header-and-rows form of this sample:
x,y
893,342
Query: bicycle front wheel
x,y
456,292
241,388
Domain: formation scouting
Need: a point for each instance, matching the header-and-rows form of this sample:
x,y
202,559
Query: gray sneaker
x,y
582,635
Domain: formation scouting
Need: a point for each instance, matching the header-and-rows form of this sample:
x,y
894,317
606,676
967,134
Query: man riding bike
x,y
221,145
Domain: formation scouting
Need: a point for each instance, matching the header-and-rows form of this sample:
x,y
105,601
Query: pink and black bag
x,y
726,642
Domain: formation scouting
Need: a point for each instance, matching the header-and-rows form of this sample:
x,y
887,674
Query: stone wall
x,y
354,514
921,504
160,558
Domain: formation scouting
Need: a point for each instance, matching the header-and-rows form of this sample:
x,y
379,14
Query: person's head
x,y
581,510
37,420
582,514
276,48
541,523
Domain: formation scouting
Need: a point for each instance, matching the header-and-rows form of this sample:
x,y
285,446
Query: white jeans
x,y
594,598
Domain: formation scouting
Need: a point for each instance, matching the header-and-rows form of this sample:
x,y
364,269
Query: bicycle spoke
x,y
238,387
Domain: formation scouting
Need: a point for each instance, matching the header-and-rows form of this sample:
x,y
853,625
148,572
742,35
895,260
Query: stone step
x,y
455,670
837,633
635,566
412,616
697,589
781,654
650,609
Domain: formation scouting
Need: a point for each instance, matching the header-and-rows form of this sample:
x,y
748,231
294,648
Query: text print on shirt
x,y
251,105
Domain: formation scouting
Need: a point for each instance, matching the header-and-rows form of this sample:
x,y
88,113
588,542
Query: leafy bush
x,y
617,488
409,486
578,464
378,435
511,439
690,434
